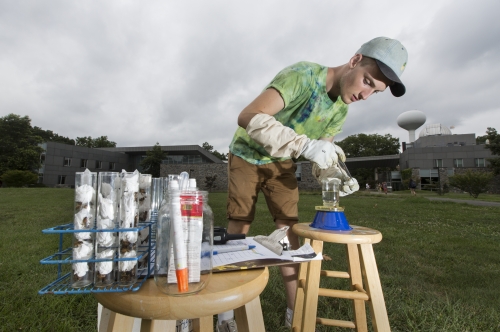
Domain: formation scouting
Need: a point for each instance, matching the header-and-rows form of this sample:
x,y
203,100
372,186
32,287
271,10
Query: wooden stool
x,y
238,290
362,269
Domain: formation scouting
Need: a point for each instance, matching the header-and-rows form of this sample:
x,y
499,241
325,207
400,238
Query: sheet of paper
x,y
259,252
303,254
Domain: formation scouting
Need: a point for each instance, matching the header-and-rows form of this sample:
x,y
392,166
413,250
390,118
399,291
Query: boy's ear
x,y
355,60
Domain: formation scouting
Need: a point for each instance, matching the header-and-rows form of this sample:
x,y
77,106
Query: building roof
x,y
173,149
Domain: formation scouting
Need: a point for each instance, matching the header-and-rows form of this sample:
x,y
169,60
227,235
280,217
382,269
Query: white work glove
x,y
321,153
339,152
348,185
281,141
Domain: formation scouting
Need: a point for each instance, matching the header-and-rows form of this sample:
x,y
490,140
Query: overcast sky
x,y
179,72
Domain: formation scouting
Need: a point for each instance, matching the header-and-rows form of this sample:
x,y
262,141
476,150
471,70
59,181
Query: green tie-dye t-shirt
x,y
308,110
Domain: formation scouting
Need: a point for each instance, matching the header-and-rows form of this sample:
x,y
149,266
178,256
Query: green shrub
x,y
472,182
19,178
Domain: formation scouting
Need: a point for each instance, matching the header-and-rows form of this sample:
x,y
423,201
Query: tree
x,y
493,139
152,163
19,149
210,182
363,176
49,135
362,145
210,148
472,182
99,142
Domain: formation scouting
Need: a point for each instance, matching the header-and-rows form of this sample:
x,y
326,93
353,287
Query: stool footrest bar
x,y
359,288
353,295
302,283
335,322
335,274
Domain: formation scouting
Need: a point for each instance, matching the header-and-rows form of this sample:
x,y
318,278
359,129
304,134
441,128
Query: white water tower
x,y
411,120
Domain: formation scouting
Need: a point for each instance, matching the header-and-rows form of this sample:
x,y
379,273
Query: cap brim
x,y
398,89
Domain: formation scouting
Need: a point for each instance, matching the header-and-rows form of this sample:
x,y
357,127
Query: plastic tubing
x,y
180,251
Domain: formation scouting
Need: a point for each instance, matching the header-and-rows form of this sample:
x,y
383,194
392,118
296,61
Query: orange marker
x,y
182,280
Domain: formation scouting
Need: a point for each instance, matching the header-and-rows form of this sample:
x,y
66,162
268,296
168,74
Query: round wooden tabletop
x,y
225,291
358,234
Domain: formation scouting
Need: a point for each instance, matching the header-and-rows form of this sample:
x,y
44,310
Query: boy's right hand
x,y
321,152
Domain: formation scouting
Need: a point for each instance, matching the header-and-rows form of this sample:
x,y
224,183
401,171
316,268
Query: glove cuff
x,y
277,139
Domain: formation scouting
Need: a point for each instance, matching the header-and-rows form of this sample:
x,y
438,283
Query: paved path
x,y
468,201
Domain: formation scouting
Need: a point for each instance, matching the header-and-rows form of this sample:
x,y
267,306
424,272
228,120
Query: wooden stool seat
x,y
363,275
238,290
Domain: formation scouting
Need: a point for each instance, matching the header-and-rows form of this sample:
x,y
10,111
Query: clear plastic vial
x,y
145,181
84,219
129,218
106,241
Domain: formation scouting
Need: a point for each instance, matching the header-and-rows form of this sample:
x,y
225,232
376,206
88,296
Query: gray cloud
x,y
180,72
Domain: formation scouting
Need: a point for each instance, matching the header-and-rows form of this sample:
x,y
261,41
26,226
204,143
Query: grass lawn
x,y
439,262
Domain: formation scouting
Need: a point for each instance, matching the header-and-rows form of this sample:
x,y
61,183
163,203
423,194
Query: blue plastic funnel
x,y
331,220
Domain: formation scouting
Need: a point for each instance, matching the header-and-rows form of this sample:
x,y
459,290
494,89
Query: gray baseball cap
x,y
391,57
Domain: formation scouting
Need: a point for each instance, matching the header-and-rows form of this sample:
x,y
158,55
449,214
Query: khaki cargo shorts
x,y
276,180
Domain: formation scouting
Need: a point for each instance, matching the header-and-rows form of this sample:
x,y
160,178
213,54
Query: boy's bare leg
x,y
290,272
238,227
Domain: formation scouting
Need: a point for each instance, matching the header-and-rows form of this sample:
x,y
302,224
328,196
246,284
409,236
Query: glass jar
x,y
330,192
84,219
184,254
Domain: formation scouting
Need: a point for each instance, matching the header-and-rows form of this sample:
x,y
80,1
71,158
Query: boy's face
x,y
362,80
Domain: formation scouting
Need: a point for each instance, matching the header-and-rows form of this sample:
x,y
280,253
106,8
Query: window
x,y
183,159
479,162
98,164
42,158
458,162
438,162
111,165
67,161
83,162
61,179
298,172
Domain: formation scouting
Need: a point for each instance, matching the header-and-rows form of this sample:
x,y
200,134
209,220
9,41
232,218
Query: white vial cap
x,y
192,183
173,184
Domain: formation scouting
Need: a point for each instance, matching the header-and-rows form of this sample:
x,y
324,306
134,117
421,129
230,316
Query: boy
x,y
298,114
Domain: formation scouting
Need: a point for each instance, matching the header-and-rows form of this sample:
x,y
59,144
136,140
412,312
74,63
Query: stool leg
x,y
378,311
158,326
203,324
311,291
120,323
249,317
299,296
356,278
